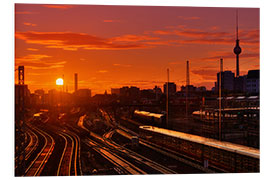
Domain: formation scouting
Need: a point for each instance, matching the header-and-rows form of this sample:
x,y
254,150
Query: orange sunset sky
x,y
115,46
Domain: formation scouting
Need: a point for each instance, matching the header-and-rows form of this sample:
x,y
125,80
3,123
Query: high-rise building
x,y
132,91
83,93
157,90
22,94
171,88
227,80
115,91
240,84
253,81
39,95
124,91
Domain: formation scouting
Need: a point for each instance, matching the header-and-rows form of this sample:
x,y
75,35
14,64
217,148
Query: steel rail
x,y
62,157
34,146
16,158
71,153
128,167
51,146
137,156
114,158
77,152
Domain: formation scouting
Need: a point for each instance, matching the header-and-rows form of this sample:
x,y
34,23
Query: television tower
x,y
237,49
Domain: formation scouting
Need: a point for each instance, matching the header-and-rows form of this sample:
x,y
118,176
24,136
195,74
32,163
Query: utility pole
x,y
75,82
220,96
187,85
167,99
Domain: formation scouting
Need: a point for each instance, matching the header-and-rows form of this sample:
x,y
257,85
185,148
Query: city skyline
x,y
130,45
130,90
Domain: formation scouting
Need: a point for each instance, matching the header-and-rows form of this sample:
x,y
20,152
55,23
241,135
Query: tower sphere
x,y
237,49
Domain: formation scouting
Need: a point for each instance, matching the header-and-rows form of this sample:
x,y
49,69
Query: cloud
x,y
122,65
111,20
74,41
189,18
32,49
230,55
214,28
36,61
26,12
29,24
199,33
206,74
162,32
58,6
196,36
146,81
32,57
169,42
192,33
176,62
133,38
102,71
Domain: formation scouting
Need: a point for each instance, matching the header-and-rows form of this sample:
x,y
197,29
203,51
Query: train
x,y
41,116
150,118
219,155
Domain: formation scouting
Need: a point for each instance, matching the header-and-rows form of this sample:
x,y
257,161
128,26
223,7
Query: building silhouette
x,y
115,91
227,81
253,81
171,87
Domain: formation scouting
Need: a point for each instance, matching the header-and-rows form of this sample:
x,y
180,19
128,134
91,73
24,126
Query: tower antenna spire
x,y
237,49
236,23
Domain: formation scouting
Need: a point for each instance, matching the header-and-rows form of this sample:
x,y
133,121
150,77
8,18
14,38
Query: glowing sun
x,y
59,82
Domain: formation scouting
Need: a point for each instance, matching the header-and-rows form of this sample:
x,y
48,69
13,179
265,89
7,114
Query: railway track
x,y
37,165
127,160
139,158
165,152
32,145
120,163
77,152
64,167
66,160
70,163
129,133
